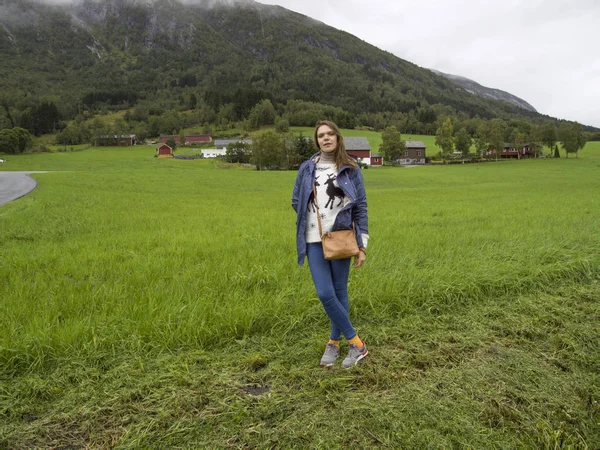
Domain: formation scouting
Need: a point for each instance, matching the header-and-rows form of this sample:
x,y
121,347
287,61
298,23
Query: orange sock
x,y
356,341
336,343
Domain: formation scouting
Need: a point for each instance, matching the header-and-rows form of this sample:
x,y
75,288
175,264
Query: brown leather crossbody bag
x,y
336,244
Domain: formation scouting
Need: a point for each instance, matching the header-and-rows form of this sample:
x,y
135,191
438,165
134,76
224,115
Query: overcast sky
x,y
546,52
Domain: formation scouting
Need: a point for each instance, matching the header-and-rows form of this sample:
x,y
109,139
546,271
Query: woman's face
x,y
326,138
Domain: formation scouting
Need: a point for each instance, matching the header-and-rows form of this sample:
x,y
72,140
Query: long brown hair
x,y
339,154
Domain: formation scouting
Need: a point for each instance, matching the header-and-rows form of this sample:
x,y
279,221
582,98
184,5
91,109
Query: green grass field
x,y
151,303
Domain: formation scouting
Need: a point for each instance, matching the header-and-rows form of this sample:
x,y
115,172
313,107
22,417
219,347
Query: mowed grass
x,y
157,303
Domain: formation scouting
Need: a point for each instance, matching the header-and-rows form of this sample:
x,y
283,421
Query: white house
x,y
213,152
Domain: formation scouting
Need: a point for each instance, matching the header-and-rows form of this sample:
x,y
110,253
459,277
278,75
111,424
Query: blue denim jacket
x,y
351,182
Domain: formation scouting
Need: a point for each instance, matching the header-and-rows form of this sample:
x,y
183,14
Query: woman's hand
x,y
360,258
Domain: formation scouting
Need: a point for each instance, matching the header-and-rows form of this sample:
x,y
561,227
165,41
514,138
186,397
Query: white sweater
x,y
330,200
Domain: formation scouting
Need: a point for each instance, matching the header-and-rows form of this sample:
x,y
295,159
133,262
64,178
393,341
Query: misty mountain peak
x,y
213,49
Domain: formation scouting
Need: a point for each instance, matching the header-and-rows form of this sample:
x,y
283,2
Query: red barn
x,y
359,147
164,151
376,159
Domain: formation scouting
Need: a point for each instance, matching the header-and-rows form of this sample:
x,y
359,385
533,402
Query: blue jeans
x,y
331,281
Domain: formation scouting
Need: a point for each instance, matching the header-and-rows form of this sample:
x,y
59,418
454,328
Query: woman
x,y
341,202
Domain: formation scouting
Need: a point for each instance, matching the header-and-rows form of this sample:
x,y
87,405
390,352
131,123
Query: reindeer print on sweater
x,y
330,200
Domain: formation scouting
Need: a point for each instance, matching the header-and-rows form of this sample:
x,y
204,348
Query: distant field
x,y
154,303
68,148
374,138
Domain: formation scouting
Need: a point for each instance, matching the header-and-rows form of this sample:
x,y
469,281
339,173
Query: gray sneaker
x,y
331,355
355,354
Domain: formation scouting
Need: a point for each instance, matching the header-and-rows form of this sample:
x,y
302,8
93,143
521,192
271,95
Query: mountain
x,y
477,89
121,52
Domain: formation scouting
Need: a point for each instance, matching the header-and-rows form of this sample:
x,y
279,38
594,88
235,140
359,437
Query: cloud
x,y
13,15
208,3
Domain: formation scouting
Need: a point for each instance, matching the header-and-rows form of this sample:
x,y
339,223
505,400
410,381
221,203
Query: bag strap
x,y
317,206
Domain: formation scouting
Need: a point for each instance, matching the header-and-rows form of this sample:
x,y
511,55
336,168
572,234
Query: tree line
x,y
454,132
272,150
489,138
276,149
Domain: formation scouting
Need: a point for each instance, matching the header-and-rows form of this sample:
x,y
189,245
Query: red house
x,y
188,138
164,151
376,159
359,147
510,151
414,153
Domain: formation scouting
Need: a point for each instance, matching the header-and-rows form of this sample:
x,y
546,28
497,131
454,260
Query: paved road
x,y
14,185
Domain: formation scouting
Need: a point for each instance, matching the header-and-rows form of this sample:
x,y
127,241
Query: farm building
x,y
510,151
359,147
223,143
414,153
164,151
116,140
213,152
376,159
